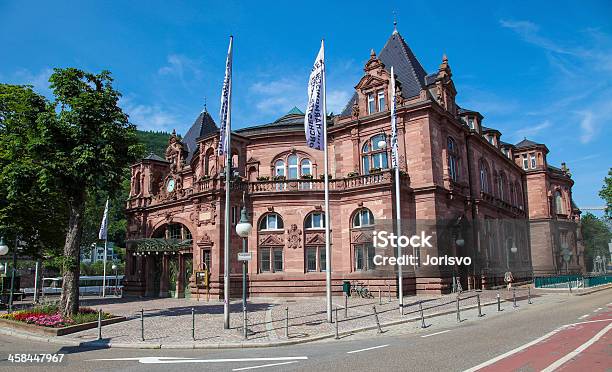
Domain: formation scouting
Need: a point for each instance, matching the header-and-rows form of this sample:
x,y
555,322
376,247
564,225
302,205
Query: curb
x,y
229,345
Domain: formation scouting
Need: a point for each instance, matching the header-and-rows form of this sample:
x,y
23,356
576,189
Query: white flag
x,y
224,112
314,121
394,150
103,234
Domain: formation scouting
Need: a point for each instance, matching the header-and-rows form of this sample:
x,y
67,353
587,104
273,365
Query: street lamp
x,y
513,250
243,229
114,267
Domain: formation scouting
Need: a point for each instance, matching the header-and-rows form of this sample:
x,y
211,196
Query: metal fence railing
x,y
573,281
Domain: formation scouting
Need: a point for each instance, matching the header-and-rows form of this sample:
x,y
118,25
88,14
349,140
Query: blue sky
x,y
536,69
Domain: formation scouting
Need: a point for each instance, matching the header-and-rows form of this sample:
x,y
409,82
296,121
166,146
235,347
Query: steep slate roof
x,y
407,68
527,143
292,119
154,157
487,129
202,126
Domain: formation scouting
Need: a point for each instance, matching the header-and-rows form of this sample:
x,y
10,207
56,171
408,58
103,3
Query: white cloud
x,y
336,100
182,67
532,130
39,80
149,117
587,127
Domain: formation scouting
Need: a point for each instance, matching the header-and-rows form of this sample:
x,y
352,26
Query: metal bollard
x,y
529,295
345,306
287,322
479,309
99,324
422,317
379,297
498,302
458,313
514,297
388,293
377,321
337,337
245,323
569,285
142,324
193,323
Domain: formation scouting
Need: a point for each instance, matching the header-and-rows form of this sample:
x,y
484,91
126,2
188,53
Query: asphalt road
x,y
444,346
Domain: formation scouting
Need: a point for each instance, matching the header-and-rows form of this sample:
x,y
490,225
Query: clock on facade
x,y
170,185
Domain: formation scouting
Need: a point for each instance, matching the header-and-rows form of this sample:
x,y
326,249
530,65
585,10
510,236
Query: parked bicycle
x,y
360,289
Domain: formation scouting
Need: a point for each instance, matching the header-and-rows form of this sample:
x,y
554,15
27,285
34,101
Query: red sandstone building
x,y
509,208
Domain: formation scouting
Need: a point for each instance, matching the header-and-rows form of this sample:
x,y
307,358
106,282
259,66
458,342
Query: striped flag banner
x,y
394,150
313,120
224,112
103,234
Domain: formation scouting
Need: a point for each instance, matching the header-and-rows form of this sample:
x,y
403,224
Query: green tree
x,y
86,146
31,207
596,235
606,193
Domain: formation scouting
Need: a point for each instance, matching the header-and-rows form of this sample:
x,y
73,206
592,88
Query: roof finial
x,y
394,22
205,108
372,53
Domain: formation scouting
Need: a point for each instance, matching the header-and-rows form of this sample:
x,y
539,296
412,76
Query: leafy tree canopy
x,y
596,235
606,193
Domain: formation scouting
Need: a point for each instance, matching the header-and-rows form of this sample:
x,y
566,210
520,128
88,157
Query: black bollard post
x,y
142,324
529,295
345,306
377,321
193,323
379,297
99,324
514,297
498,302
245,330
479,308
422,317
287,322
337,336
458,314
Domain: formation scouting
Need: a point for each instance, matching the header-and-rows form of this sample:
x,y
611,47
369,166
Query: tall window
x,y
471,122
271,221
315,258
371,104
453,159
306,168
279,168
501,180
270,259
484,177
363,218
525,162
532,159
364,257
292,162
559,202
315,220
381,100
373,155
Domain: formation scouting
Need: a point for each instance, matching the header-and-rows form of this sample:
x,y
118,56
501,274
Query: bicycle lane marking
x,y
596,357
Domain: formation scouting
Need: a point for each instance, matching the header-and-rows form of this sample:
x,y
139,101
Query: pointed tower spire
x,y
394,22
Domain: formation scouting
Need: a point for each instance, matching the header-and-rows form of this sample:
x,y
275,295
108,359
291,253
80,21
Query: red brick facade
x,y
452,169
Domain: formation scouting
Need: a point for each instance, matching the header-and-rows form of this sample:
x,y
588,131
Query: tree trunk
x,y
69,302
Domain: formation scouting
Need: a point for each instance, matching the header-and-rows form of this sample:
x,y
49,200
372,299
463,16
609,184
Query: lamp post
x,y
114,267
243,229
513,249
3,251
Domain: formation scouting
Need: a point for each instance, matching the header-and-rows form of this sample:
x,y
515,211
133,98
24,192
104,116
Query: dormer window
x,y
490,139
470,123
381,100
532,158
371,104
525,162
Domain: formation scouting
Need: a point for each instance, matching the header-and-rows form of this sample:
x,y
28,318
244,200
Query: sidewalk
x,y
168,322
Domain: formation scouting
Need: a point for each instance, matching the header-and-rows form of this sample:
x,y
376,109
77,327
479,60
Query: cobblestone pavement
x,y
169,321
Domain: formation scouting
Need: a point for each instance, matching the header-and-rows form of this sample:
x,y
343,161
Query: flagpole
x,y
328,257
104,272
228,166
398,214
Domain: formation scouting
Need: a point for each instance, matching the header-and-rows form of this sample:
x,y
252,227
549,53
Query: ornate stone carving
x,y
271,240
294,239
205,241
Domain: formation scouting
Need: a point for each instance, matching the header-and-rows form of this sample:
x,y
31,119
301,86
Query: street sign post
x,y
245,256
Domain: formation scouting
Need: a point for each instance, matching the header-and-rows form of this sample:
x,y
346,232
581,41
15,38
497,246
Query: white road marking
x,y
584,316
263,366
511,352
366,349
578,350
172,360
437,333
520,348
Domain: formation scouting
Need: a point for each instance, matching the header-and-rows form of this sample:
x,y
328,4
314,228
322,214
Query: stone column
x,y
180,281
163,280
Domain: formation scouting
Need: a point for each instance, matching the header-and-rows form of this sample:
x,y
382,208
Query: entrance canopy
x,y
147,245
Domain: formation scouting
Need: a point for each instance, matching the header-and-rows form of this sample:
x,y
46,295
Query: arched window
x,y
208,161
315,220
559,202
306,166
292,165
453,159
137,184
279,168
501,181
374,154
512,194
271,221
363,218
484,177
